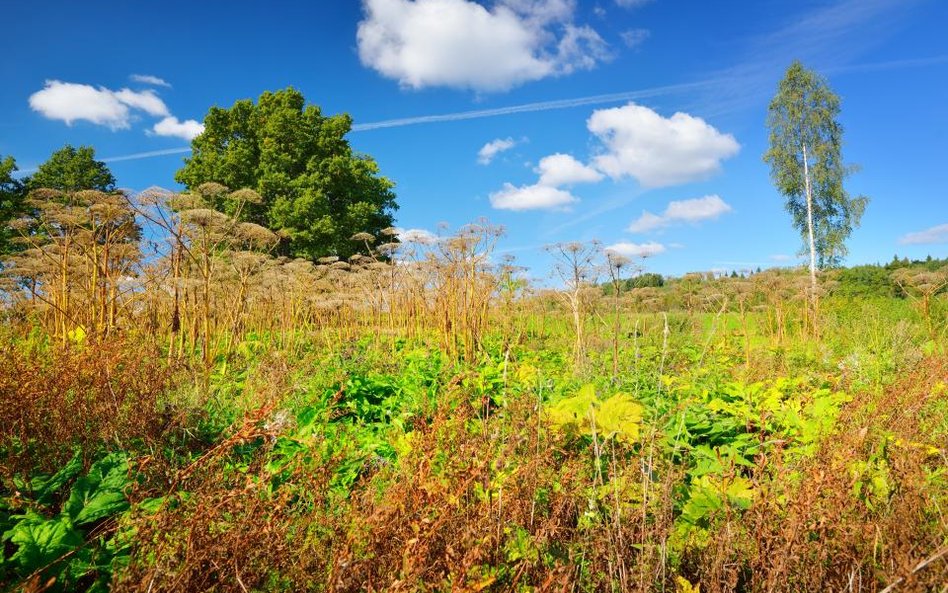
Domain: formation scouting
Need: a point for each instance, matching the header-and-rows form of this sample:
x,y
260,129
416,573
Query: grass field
x,y
709,435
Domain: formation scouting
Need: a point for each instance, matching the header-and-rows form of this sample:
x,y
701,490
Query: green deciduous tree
x,y
806,163
11,203
71,169
316,191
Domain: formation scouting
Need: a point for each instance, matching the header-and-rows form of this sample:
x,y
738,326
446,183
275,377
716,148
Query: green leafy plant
x,y
70,549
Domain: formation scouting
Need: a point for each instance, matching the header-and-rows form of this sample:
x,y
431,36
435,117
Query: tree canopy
x,y
805,156
316,191
71,169
11,202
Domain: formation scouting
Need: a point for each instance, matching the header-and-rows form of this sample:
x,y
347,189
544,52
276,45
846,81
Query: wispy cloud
x,y
635,37
149,79
682,211
637,249
829,39
931,236
487,152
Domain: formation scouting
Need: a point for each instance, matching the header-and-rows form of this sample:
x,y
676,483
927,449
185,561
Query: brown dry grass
x,y
104,396
825,538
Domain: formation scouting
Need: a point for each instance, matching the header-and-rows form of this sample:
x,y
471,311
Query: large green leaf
x,y
43,488
100,493
40,542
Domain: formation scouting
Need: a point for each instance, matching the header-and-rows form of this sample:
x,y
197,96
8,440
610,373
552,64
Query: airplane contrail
x,y
551,105
531,107
145,155
463,115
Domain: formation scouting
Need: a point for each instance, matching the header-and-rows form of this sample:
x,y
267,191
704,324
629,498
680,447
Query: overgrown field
x,y
674,441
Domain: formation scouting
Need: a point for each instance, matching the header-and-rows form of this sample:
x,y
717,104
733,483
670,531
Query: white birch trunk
x,y
809,216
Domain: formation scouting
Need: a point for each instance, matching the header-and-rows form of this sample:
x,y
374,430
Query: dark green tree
x,y
12,204
807,167
71,169
317,192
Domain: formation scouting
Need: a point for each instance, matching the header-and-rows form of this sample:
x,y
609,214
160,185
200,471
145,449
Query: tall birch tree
x,y
806,163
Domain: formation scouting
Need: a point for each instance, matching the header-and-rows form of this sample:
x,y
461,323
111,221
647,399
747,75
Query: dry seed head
x,y
211,189
44,193
257,235
204,217
388,248
246,195
363,237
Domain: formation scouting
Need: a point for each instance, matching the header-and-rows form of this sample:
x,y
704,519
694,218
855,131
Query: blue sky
x,y
640,123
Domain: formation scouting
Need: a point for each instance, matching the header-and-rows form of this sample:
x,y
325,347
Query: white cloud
x,y
781,257
562,169
147,101
462,44
636,249
416,236
149,79
170,126
934,236
647,222
655,150
635,37
632,3
71,102
697,209
554,170
487,152
531,197
689,211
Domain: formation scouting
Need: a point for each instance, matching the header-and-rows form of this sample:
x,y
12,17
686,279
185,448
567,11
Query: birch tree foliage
x,y
806,163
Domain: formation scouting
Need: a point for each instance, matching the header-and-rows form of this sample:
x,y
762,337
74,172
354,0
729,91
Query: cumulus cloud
x,y
658,151
688,211
462,44
635,37
149,79
934,236
487,152
555,170
147,101
170,126
531,197
636,249
70,102
562,169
